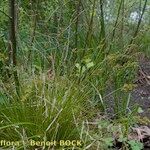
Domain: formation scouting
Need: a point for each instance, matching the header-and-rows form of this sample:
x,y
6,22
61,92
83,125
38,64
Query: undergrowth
x,y
76,62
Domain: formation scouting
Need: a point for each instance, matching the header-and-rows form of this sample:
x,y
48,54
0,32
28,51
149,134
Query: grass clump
x,y
45,111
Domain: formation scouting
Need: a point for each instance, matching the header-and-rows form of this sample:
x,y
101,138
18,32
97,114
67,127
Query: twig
x,y
5,14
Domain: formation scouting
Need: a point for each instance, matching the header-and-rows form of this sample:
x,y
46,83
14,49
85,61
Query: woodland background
x,y
68,69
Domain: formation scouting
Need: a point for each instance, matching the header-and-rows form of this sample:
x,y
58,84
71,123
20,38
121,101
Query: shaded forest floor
x,y
141,94
141,97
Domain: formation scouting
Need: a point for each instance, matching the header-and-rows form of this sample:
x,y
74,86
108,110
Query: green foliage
x,y
135,145
71,56
85,65
46,111
105,134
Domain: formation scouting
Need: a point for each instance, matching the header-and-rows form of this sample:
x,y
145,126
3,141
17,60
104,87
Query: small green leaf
x,y
83,69
109,141
88,60
140,110
89,65
78,65
135,145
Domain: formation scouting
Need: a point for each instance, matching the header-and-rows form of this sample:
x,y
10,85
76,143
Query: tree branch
x,y
5,14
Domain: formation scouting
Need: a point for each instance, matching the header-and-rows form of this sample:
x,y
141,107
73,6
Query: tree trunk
x,y
12,48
